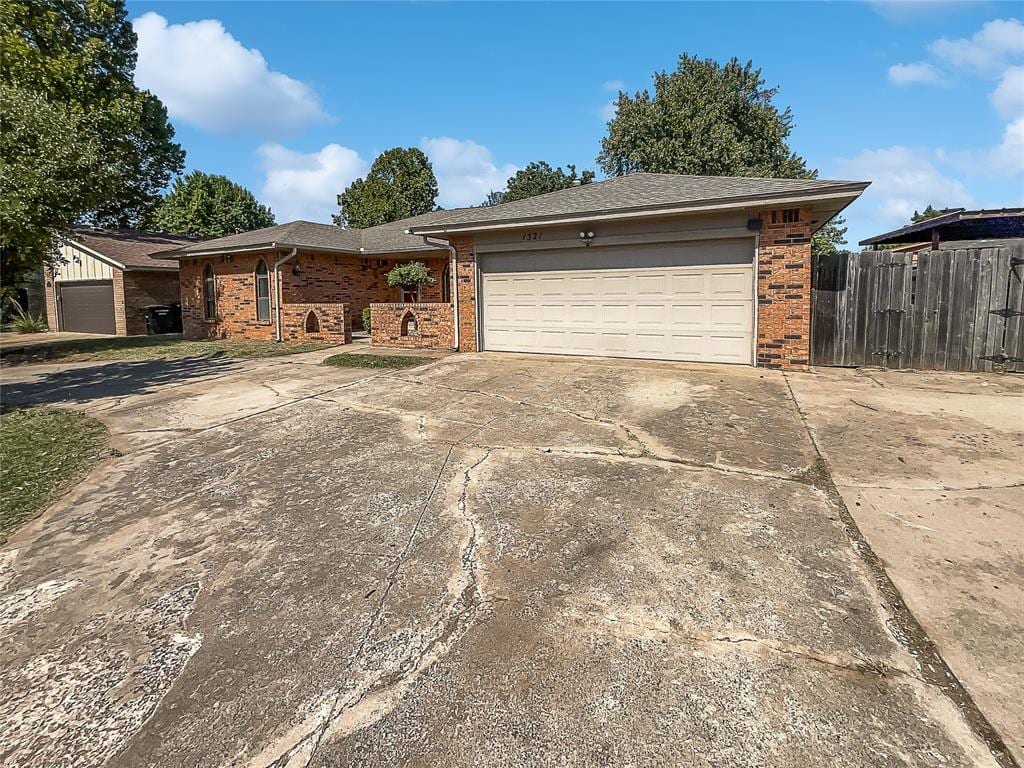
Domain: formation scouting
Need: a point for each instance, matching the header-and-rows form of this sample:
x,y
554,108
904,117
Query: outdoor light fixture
x,y
296,270
586,237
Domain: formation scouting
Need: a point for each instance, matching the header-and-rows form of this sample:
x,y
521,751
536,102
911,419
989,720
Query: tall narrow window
x,y
262,291
446,284
209,293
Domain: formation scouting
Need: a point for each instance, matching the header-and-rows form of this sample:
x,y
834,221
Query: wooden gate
x,y
949,310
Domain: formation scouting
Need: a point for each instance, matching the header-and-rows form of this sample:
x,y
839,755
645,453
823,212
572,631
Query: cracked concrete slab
x,y
930,466
487,560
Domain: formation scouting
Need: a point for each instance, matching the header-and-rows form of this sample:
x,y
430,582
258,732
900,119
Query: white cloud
x,y
609,108
1008,97
1008,157
987,51
303,185
466,171
205,77
903,180
917,72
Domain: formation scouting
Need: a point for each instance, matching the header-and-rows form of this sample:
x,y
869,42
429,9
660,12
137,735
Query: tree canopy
x,y
209,206
930,213
400,184
708,119
43,142
74,62
538,178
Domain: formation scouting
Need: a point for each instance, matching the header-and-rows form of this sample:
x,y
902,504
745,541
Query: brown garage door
x,y
87,307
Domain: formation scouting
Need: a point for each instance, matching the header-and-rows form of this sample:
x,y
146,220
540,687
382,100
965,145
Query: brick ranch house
x,y
655,266
104,279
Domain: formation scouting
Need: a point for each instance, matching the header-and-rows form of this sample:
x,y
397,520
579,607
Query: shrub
x,y
366,319
30,324
411,275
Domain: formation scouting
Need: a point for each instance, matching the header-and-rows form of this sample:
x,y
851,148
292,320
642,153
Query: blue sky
x,y
294,100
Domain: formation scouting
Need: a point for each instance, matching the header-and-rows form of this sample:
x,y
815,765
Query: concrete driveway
x,y
489,560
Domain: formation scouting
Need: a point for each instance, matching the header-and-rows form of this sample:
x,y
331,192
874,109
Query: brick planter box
x,y
412,326
331,323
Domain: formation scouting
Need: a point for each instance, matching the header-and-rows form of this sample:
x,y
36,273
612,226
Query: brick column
x,y
465,270
120,324
50,292
784,291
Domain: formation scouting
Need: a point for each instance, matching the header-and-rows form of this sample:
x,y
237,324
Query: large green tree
x,y
45,182
76,60
536,179
400,184
708,119
207,205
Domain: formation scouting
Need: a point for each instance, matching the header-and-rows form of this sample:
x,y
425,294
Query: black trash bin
x,y
160,319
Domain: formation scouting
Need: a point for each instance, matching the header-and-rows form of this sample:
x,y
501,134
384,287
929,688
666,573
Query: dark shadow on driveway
x,y
119,379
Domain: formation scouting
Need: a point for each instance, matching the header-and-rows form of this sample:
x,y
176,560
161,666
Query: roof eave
x,y
270,246
411,249
849,193
153,268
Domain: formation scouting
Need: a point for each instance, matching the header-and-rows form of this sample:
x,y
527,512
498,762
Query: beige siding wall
x,y
81,265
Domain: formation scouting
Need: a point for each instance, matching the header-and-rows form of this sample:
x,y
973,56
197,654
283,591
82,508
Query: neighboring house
x,y
229,286
656,266
105,280
953,229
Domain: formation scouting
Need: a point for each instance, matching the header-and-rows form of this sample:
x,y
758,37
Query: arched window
x,y
409,327
446,284
312,322
262,291
209,293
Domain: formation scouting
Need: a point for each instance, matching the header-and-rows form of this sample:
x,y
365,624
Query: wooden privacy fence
x,y
949,310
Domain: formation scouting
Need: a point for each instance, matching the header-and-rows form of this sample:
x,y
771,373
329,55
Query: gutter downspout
x,y
455,283
279,292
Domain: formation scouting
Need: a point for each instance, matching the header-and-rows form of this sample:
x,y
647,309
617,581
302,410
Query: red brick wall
x,y
784,291
465,270
323,278
435,325
50,292
134,291
333,323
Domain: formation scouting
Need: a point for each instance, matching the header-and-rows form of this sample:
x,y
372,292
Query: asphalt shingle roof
x,y
386,238
638,191
641,191
131,248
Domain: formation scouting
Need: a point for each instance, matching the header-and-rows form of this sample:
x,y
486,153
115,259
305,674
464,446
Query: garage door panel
x,y
735,316
652,315
582,286
730,349
553,286
729,284
615,285
692,313
688,315
615,315
687,284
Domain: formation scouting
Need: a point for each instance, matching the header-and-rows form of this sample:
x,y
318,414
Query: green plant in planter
x,y
411,276
366,319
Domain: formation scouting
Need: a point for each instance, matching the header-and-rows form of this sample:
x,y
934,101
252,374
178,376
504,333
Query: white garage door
x,y
694,313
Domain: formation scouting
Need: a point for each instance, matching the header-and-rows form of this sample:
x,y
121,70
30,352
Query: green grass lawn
x,y
43,452
356,360
151,348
